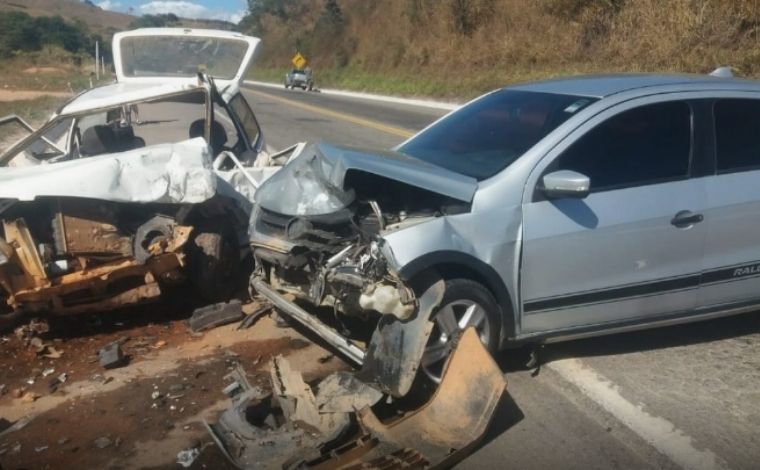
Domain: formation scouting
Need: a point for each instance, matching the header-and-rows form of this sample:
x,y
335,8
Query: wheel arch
x,y
453,264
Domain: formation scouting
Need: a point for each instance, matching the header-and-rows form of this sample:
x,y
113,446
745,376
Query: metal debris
x,y
212,316
187,457
111,356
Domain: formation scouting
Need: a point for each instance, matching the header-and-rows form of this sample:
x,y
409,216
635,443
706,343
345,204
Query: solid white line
x,y
658,432
371,97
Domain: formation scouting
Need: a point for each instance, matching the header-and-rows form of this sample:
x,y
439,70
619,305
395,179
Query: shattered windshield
x,y
483,138
171,56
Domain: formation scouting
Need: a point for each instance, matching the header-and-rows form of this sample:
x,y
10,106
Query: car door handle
x,y
685,219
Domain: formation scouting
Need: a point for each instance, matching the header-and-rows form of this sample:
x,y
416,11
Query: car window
x,y
645,145
737,135
166,120
246,118
486,136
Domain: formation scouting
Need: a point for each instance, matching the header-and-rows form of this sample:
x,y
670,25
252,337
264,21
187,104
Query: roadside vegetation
x,y
460,48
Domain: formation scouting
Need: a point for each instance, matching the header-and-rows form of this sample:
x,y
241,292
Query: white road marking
x,y
371,97
658,432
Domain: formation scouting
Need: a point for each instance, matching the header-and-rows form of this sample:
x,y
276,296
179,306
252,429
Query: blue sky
x,y
229,10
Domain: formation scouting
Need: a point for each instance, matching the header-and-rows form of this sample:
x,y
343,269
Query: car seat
x,y
218,134
97,140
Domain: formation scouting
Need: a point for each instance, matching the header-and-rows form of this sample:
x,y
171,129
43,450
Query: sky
x,y
228,10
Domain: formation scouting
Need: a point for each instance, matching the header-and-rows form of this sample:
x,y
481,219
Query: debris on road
x,y
29,397
212,316
296,427
17,426
111,356
252,317
187,457
102,442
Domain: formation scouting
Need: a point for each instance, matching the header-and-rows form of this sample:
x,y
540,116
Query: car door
x,y
632,248
731,269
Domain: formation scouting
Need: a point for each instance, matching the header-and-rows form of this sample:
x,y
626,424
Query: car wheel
x,y
465,303
214,263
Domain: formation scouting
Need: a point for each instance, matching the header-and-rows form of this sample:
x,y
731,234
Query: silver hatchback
x,y
539,212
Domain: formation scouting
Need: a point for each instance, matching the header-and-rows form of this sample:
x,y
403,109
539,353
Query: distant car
x,y
550,210
299,78
136,185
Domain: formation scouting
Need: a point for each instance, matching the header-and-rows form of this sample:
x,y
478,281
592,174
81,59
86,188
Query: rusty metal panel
x,y
88,226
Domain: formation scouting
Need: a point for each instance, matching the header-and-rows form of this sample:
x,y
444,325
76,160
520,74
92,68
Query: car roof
x,y
116,94
600,86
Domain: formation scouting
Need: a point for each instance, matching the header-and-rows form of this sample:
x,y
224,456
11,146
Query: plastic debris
x,y
111,356
212,316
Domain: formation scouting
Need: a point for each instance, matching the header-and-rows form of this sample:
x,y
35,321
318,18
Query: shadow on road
x,y
639,341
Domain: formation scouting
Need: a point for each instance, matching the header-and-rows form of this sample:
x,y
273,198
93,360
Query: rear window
x,y
483,138
737,135
171,56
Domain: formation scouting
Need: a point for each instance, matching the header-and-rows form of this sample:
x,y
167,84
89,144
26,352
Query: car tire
x,y
214,263
465,303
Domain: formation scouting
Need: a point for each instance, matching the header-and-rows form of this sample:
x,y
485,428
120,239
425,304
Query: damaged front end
x,y
317,229
317,238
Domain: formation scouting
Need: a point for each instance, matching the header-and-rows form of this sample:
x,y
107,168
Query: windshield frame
x,y
563,108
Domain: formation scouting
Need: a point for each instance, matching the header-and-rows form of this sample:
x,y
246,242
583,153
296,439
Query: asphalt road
x,y
679,397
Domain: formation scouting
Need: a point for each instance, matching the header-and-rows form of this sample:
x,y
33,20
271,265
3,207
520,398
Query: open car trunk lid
x,y
178,54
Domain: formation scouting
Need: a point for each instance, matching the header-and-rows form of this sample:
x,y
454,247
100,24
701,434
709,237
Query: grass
x,y
462,48
425,84
34,111
61,71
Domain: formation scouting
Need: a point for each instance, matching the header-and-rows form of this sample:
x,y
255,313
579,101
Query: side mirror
x,y
565,183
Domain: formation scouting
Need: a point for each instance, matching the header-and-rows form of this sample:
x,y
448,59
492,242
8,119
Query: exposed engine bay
x,y
338,259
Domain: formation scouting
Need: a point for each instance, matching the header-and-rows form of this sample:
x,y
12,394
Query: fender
x,y
485,272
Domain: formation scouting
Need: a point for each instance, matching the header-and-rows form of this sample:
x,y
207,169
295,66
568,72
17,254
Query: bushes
x,y
486,43
20,32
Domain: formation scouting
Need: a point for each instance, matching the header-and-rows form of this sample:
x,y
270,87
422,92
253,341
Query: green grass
x,y
424,84
33,111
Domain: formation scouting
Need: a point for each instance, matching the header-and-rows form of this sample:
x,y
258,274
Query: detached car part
x,y
336,427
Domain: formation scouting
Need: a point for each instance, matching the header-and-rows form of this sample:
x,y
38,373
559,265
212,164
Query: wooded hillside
x,y
467,46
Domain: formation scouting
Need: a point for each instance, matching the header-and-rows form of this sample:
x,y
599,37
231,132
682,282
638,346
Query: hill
x,y
464,47
99,21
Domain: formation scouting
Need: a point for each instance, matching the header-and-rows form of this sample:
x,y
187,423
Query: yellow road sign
x,y
298,60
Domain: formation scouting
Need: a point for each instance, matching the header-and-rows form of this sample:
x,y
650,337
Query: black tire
x,y
214,263
459,294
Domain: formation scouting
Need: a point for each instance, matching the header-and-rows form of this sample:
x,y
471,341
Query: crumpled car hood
x,y
313,183
167,173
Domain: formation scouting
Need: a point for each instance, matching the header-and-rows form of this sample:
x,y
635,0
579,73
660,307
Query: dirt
x,y
36,70
140,415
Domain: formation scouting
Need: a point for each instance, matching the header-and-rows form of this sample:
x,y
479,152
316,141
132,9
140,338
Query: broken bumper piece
x,y
337,427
